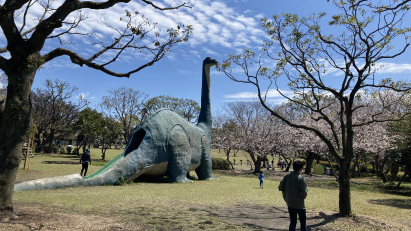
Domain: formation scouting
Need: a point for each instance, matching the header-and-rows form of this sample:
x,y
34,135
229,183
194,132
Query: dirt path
x,y
276,218
35,217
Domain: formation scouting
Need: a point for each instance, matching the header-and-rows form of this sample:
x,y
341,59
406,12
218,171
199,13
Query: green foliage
x,y
400,131
122,181
90,123
220,164
38,149
94,125
187,108
55,149
75,151
45,149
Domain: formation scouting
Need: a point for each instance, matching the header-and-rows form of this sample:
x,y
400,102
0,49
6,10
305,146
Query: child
x,y
261,178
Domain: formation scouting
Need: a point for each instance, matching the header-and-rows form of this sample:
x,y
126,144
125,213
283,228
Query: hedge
x,y
220,164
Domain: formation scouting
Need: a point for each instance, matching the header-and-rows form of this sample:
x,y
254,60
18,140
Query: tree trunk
x,y
394,171
14,124
287,168
332,169
103,152
235,152
227,153
380,169
377,165
51,141
257,164
309,162
345,195
357,166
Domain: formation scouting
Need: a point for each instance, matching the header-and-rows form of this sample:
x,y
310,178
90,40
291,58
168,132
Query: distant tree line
x,y
57,117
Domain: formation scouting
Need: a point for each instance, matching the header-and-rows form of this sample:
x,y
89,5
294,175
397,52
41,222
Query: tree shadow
x,y
59,162
399,203
267,218
401,191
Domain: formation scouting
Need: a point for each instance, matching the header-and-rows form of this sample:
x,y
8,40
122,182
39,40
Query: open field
x,y
234,202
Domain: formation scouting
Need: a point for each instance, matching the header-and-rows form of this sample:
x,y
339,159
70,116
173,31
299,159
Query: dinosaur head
x,y
210,61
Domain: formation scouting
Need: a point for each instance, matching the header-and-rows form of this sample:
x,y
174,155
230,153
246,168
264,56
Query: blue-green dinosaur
x,y
163,144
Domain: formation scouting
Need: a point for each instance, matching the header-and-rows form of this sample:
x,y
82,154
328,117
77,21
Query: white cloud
x,y
83,95
208,51
213,22
272,93
393,68
259,16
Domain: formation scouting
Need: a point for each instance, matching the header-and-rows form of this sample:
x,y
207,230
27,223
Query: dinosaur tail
x,y
128,166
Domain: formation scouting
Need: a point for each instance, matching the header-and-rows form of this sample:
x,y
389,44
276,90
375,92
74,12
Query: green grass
x,y
180,206
227,191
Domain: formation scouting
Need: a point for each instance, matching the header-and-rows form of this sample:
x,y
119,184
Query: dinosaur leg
x,y
205,169
179,152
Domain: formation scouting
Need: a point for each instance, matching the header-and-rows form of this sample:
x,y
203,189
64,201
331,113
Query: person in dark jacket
x,y
85,159
295,190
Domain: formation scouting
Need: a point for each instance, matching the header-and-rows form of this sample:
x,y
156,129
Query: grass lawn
x,y
225,204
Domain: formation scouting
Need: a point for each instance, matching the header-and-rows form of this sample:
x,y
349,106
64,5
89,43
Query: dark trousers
x,y
261,183
84,167
293,218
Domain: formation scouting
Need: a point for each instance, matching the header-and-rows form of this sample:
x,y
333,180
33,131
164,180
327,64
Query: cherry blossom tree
x,y
259,133
225,134
303,55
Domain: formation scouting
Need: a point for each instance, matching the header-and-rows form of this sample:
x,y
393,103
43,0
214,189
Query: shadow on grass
x,y
148,179
399,203
266,218
404,190
59,162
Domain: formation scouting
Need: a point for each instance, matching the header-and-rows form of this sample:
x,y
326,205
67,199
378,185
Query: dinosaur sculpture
x,y
163,144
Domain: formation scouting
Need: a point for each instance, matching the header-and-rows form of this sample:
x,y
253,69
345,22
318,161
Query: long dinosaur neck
x,y
205,113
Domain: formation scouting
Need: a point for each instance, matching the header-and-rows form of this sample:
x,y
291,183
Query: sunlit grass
x,y
227,191
171,204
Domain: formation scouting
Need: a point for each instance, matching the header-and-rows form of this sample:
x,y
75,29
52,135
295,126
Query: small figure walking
x,y
85,159
261,178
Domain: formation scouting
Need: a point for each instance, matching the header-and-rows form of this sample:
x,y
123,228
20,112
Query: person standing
x,y
85,159
261,178
295,191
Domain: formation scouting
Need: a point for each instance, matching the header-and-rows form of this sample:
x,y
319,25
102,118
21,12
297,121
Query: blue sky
x,y
220,28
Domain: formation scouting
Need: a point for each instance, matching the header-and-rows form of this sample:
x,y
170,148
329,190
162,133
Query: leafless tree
x,y
28,37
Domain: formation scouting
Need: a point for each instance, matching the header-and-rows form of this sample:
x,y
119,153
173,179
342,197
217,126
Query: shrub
x,y
55,149
75,151
45,149
220,164
122,181
38,149
364,169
